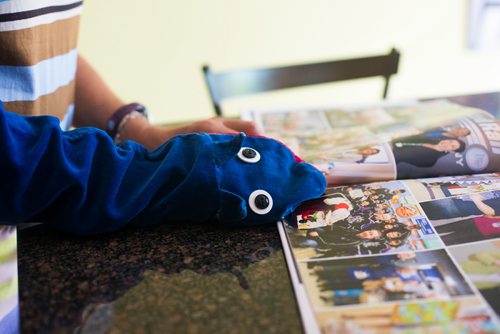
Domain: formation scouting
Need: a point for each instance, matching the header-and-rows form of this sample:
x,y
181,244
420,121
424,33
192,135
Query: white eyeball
x,y
260,201
249,155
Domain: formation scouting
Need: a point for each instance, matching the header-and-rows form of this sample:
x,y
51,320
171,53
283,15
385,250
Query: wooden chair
x,y
235,83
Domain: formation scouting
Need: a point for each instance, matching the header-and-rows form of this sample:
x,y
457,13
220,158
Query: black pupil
x,y
249,153
261,201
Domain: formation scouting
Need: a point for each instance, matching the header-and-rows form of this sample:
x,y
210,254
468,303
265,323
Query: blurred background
x,y
152,51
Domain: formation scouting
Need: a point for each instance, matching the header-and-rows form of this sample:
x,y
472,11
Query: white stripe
x,y
39,20
67,121
6,306
15,6
7,232
8,271
28,83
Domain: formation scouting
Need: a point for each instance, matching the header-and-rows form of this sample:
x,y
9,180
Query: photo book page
x,y
412,256
390,141
406,239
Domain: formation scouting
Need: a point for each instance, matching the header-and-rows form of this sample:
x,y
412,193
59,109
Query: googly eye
x,y
260,202
249,155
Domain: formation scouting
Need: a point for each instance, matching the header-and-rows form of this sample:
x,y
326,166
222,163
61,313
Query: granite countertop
x,y
167,278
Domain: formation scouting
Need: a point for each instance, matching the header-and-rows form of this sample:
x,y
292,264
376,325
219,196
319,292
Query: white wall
x,y
152,50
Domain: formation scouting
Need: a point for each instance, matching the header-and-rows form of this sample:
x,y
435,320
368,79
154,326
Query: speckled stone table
x,y
163,279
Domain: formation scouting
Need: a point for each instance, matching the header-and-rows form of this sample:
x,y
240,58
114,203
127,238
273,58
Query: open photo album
x,y
406,239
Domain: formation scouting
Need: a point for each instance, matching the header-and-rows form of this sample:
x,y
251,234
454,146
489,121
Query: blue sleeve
x,y
80,182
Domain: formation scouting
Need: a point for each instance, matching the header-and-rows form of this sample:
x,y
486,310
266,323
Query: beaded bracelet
x,y
121,116
133,114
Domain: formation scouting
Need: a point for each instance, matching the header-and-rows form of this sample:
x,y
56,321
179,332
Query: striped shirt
x,y
38,56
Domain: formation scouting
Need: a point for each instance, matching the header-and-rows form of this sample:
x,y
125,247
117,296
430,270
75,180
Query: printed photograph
x,y
449,186
376,279
328,144
481,264
465,219
296,122
423,150
467,146
426,115
365,154
341,118
459,315
365,159
361,164
360,219
391,142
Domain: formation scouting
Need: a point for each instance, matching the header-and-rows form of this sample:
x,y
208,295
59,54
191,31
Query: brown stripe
x,y
55,104
29,46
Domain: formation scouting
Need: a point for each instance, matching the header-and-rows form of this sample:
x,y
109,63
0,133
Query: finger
x,y
219,127
248,127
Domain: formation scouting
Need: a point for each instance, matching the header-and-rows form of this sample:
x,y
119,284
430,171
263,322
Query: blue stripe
x,y
7,17
10,323
28,83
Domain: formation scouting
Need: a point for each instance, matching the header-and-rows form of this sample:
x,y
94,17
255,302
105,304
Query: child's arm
x,y
80,182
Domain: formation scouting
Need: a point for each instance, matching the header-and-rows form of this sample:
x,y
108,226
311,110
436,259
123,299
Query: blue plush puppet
x,y
79,181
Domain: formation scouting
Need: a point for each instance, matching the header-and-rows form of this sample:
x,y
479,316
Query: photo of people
x,y
464,147
375,279
325,212
343,145
449,186
405,256
387,142
425,149
459,315
358,155
365,163
360,219
481,264
464,219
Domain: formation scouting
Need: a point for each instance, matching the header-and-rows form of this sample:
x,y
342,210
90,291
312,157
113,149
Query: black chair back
x,y
223,85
